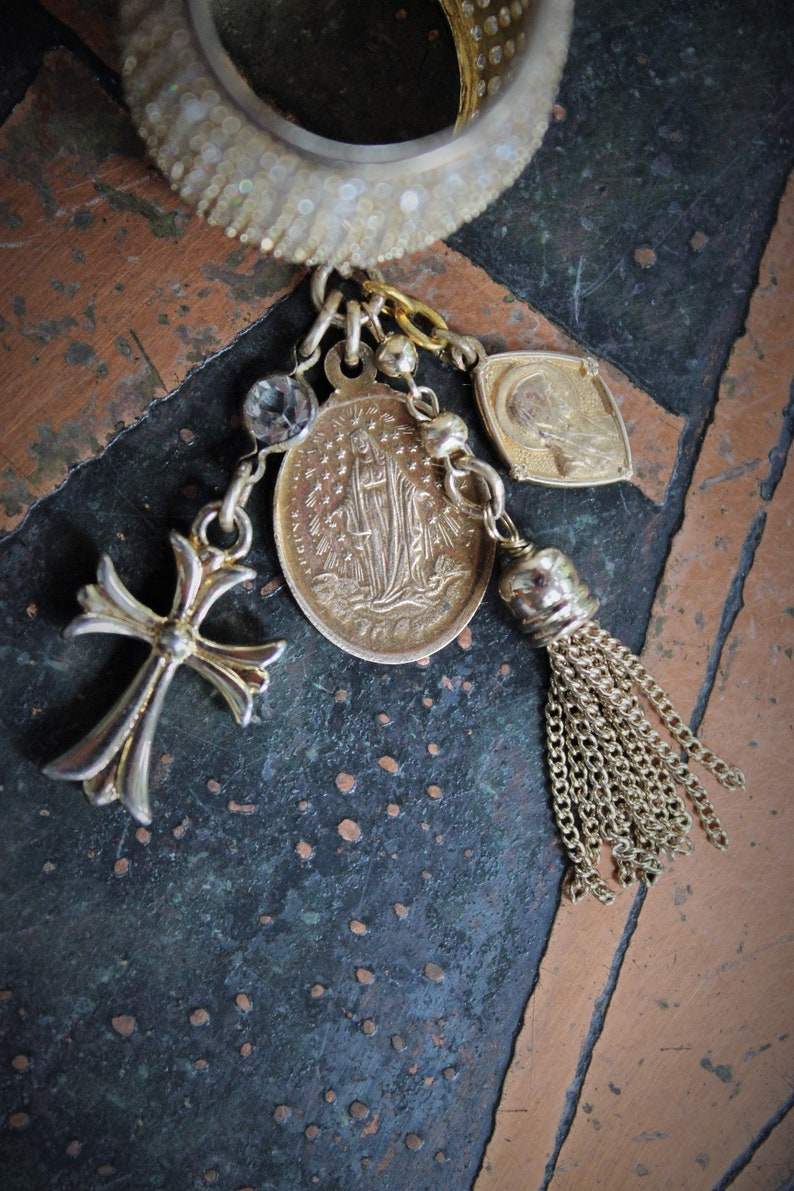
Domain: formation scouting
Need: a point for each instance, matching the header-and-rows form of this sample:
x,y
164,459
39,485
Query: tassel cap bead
x,y
545,594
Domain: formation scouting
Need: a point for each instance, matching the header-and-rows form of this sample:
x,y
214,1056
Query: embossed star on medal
x,y
376,555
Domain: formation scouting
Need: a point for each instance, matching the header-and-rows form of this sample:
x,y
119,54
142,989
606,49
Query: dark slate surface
x,y
182,929
678,122
479,868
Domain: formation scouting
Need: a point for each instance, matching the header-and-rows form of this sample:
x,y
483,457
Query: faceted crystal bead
x,y
397,356
278,408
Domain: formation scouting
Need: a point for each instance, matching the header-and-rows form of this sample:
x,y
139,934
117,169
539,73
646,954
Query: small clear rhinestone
x,y
279,408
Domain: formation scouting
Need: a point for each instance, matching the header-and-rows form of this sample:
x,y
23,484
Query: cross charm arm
x,y
112,760
237,671
109,608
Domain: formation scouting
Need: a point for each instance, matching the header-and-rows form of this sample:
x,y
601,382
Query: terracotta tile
x,y
728,487
112,292
693,1057
572,977
698,1036
475,305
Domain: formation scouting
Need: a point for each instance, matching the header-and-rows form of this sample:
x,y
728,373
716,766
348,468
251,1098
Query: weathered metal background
x,y
233,997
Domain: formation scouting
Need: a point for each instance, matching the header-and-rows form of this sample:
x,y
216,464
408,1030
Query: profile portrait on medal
x,y
563,415
543,410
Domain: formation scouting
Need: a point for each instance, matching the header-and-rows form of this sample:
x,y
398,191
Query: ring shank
x,y
313,200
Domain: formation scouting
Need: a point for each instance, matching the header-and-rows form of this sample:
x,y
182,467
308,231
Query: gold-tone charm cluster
x,y
551,416
387,525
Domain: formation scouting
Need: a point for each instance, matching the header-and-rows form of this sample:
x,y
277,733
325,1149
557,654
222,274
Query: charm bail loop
x,y
236,496
240,524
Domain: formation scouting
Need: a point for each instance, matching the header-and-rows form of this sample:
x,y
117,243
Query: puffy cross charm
x,y
112,761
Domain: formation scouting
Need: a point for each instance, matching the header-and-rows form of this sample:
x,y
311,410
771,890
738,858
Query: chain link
x,y
353,320
241,527
327,317
319,283
246,476
421,400
471,484
406,320
613,776
458,468
728,776
464,352
406,310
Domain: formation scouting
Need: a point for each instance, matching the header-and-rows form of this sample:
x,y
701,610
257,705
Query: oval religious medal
x,y
375,554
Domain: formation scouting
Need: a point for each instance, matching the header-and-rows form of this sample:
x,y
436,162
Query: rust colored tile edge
x,y
555,1048
112,294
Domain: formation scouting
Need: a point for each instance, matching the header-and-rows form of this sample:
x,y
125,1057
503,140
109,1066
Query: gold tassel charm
x,y
614,778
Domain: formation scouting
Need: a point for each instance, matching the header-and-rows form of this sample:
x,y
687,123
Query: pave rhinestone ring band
x,y
247,166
